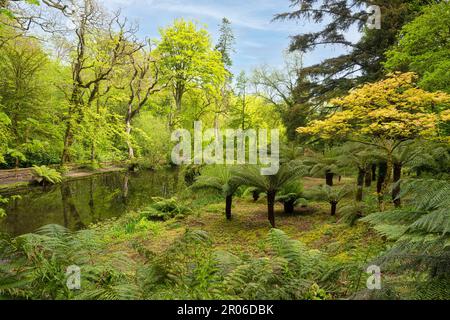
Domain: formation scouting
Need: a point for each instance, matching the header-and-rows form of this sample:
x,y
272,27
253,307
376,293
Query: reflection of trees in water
x,y
91,199
77,203
125,189
69,209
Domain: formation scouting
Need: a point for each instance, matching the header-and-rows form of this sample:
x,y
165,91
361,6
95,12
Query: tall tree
x,y
226,42
225,46
188,59
363,60
144,82
242,83
93,63
21,65
279,87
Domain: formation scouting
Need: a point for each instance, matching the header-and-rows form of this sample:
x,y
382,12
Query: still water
x,y
78,203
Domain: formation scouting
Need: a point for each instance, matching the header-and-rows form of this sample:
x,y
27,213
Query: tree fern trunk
x,y
361,176
374,171
334,208
387,178
271,207
289,207
229,203
396,191
380,180
329,178
368,178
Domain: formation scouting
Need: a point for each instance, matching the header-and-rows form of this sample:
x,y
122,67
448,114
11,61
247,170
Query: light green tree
x,y
188,59
424,48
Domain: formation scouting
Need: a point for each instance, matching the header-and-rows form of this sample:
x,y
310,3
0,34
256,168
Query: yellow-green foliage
x,y
368,112
46,175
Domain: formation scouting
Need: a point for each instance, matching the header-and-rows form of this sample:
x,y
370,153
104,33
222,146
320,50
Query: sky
x,y
259,40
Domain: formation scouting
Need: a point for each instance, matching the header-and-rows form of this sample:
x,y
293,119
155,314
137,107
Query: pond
x,y
78,203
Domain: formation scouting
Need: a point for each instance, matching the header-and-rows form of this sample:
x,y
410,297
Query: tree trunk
x,y
229,203
387,179
359,193
256,195
374,171
178,95
333,208
289,207
329,178
92,152
381,176
396,191
368,178
128,132
271,207
68,141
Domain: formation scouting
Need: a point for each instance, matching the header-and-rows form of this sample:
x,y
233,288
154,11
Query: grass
x,y
245,233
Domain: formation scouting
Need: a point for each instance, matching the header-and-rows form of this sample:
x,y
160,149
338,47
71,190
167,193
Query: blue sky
x,y
258,39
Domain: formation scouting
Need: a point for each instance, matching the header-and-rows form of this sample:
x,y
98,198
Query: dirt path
x,y
24,176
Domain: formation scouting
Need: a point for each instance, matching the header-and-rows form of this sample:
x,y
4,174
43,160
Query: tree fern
x,y
218,178
271,185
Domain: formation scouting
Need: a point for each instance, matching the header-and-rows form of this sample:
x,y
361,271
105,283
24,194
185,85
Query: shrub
x,y
290,196
165,209
352,212
44,175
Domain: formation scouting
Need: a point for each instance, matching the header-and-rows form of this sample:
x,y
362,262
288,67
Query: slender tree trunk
x,y
359,193
289,207
329,176
381,176
396,191
271,207
382,171
128,132
92,152
68,141
374,171
333,208
368,178
229,203
388,178
178,95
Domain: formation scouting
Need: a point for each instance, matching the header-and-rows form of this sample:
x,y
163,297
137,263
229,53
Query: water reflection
x,y
76,204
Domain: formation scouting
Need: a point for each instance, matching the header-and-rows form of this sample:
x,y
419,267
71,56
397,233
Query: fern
x,y
421,232
45,175
35,264
289,272
165,209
